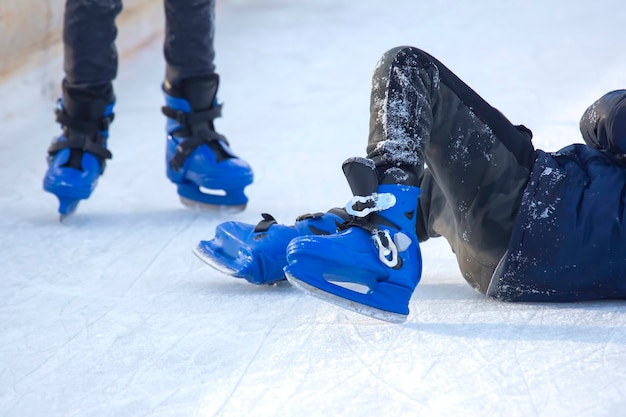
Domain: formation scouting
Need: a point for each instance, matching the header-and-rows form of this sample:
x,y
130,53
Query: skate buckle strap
x,y
187,119
196,128
309,216
362,206
187,146
264,225
88,126
83,143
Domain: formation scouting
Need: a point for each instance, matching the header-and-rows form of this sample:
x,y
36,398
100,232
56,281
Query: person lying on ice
x,y
525,225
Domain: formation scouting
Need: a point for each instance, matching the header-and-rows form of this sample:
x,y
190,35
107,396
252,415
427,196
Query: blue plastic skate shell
x,y
346,269
258,254
238,251
71,185
203,181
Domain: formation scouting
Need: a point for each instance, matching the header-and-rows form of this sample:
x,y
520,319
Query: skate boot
x,y
199,160
257,253
373,266
76,158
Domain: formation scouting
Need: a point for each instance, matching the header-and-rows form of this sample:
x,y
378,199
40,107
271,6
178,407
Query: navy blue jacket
x,y
569,239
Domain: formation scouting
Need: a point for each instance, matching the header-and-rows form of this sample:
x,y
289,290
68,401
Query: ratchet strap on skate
x,y
83,135
197,129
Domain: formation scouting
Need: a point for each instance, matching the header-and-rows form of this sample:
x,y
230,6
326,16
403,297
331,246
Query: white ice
x,y
110,313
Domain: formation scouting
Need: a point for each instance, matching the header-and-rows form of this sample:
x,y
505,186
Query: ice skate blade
x,y
64,216
228,201
68,198
221,208
67,207
213,262
345,303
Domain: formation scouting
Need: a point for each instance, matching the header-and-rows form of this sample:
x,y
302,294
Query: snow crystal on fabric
x,y
399,112
464,147
399,175
363,161
540,206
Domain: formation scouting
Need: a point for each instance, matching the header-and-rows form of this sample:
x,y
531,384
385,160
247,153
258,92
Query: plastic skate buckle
x,y
387,250
361,206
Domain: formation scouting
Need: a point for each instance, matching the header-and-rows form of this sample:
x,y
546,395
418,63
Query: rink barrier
x,y
30,32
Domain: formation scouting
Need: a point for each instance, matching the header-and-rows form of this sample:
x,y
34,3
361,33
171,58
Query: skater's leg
x,y
478,162
77,157
89,32
198,159
189,41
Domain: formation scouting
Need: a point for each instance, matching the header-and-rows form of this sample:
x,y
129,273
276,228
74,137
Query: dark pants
x,y
89,34
471,162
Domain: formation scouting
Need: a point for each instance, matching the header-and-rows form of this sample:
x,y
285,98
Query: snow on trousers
x,y
471,162
90,31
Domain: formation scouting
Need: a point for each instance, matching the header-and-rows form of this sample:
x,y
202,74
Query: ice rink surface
x,y
110,313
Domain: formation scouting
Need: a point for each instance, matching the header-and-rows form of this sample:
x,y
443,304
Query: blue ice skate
x,y
199,160
373,266
76,158
257,253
